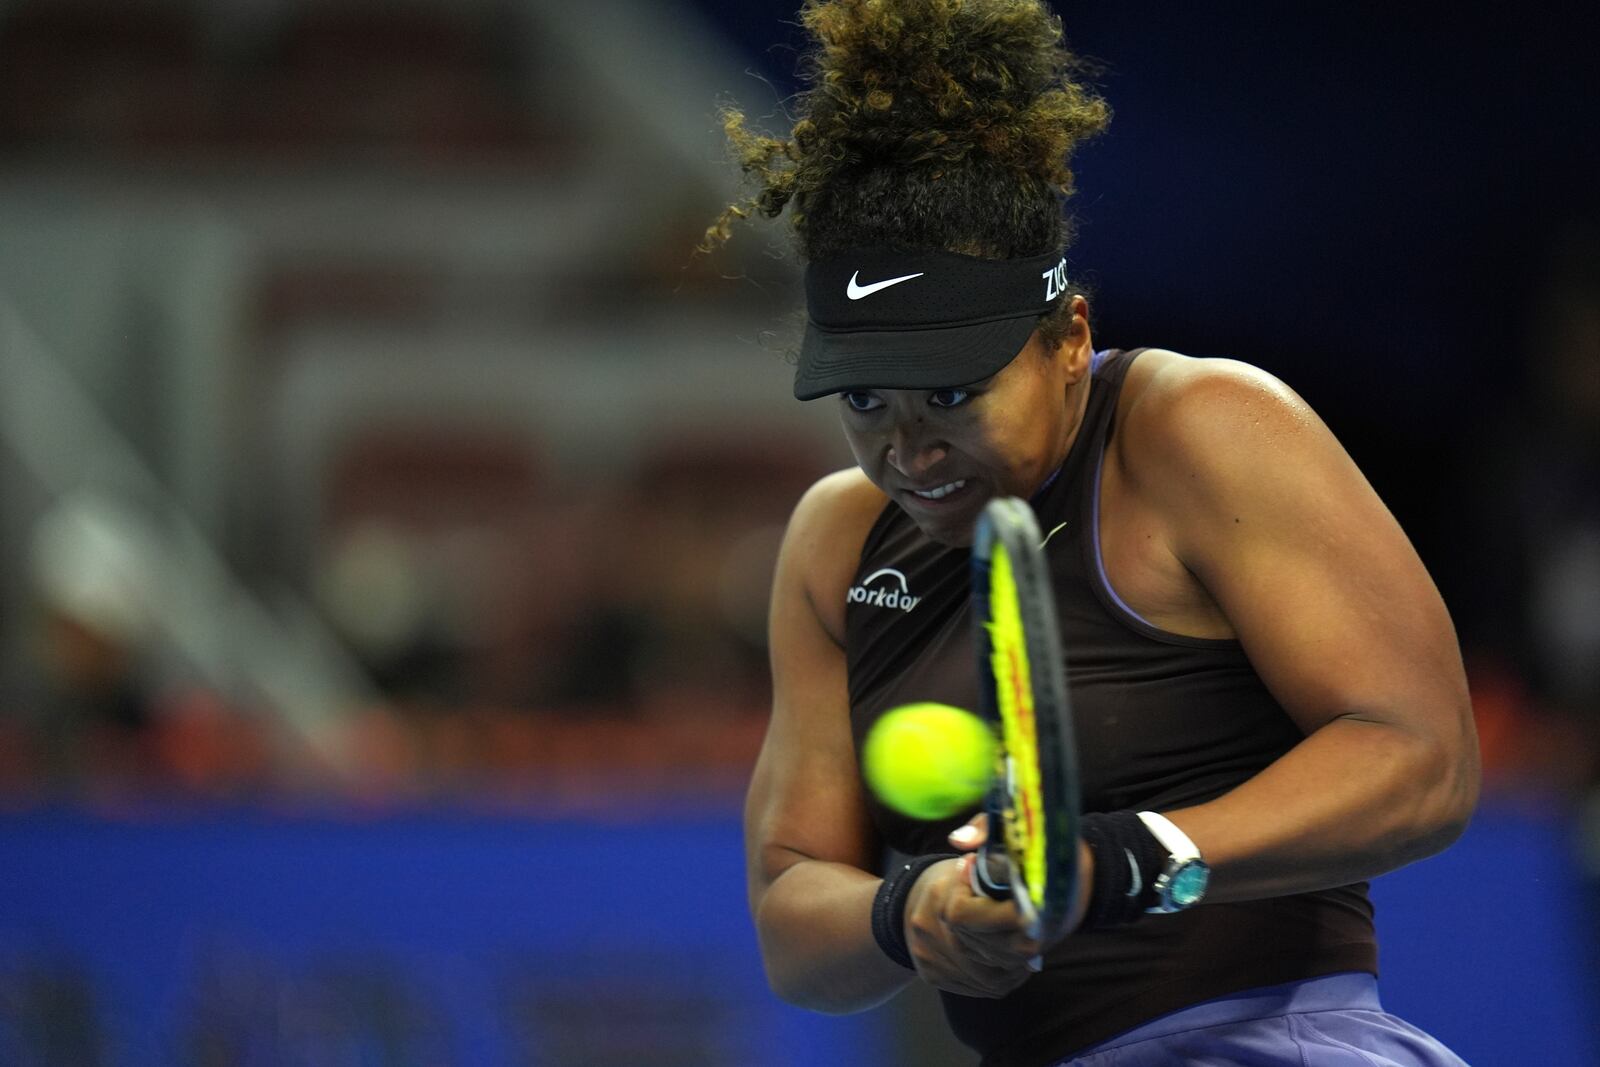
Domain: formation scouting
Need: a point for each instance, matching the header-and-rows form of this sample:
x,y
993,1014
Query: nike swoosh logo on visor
x,y
856,292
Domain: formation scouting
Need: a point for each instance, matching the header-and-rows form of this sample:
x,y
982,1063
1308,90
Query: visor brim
x,y
935,358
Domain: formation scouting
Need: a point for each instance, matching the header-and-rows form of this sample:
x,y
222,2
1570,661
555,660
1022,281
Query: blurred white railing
x,y
119,543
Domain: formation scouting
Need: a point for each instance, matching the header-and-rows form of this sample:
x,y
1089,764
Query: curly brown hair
x,y
928,125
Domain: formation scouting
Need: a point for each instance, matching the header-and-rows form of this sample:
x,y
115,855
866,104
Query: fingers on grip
x,y
990,875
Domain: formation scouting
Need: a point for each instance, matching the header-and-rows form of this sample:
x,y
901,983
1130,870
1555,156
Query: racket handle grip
x,y
990,874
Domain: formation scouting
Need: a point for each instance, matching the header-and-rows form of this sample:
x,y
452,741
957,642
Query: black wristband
x,y
1127,861
889,906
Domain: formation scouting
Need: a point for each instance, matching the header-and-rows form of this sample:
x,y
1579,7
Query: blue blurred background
x,y
388,496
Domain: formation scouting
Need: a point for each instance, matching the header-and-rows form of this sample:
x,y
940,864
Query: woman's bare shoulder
x,y
1171,400
822,547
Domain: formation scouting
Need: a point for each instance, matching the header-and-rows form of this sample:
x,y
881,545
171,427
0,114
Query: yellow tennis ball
x,y
929,760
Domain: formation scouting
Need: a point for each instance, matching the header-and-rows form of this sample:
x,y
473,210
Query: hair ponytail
x,y
927,124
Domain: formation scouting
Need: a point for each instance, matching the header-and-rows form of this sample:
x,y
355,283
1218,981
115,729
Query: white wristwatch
x,y
1182,881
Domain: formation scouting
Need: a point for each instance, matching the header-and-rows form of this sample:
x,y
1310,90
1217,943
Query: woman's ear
x,y
1076,349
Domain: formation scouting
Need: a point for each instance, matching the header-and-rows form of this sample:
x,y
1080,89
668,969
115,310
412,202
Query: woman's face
x,y
942,454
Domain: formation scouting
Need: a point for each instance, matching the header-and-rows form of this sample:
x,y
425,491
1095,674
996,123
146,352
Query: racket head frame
x,y
1033,722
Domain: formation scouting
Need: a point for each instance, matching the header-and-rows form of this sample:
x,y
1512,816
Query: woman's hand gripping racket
x,y
1031,855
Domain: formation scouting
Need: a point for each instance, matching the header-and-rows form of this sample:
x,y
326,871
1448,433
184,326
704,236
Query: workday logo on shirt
x,y
885,588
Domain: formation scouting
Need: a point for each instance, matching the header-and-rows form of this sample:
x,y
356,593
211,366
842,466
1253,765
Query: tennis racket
x,y
1031,855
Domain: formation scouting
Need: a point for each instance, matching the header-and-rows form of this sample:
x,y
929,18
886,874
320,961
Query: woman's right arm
x,y
810,847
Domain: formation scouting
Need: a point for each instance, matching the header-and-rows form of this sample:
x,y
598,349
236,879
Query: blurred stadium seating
x,y
496,545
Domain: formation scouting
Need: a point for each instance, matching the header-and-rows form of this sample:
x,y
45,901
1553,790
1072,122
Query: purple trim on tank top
x,y
1099,562
1097,359
1112,600
1048,482
1346,991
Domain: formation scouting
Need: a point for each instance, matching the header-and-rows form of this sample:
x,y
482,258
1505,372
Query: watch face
x,y
1188,884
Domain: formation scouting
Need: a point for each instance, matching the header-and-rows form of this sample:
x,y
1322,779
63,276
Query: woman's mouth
x,y
939,493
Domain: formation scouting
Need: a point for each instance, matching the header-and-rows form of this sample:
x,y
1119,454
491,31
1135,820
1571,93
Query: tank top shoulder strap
x,y
1109,369
1063,494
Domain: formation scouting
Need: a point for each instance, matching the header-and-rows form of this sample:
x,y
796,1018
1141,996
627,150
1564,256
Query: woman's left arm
x,y
1338,616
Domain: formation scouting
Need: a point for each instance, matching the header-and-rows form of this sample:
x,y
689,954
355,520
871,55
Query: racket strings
x,y
1024,836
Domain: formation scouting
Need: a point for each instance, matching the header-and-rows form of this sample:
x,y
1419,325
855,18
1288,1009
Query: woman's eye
x,y
948,398
862,401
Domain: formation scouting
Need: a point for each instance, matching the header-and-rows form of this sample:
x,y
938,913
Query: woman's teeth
x,y
941,492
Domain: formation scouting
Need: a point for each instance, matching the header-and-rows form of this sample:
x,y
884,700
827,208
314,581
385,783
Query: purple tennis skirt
x,y
1334,1021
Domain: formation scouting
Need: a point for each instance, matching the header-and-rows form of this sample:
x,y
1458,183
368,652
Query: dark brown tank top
x,y
1162,721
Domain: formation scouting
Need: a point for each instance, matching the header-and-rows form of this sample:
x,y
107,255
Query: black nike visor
x,y
880,318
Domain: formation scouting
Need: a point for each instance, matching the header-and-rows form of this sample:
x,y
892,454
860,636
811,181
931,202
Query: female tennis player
x,y
1265,679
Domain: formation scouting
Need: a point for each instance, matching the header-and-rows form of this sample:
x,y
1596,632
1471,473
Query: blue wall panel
x,y
435,939
404,940
1492,944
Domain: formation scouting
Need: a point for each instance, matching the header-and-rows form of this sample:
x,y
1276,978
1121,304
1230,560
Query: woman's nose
x,y
913,452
